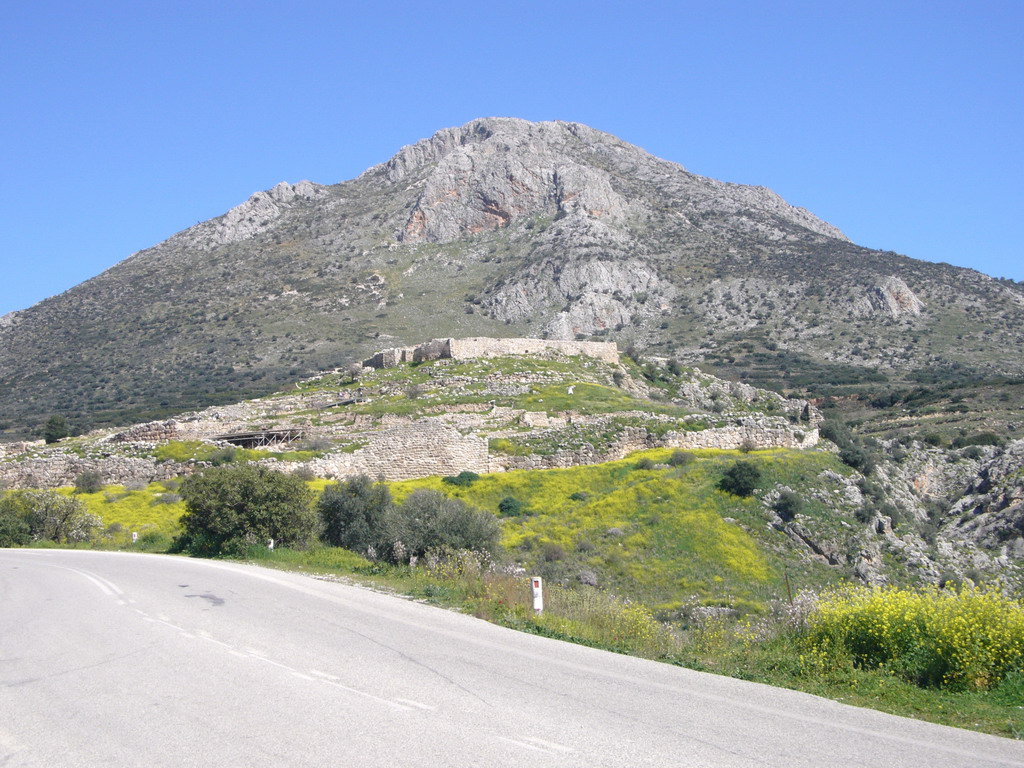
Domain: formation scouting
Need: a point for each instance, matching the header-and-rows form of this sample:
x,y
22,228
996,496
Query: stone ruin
x,y
482,347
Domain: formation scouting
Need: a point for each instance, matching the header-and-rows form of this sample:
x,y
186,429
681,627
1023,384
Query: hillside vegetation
x,y
501,228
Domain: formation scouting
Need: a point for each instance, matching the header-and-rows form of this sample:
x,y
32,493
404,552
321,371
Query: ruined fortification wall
x,y
638,438
408,451
481,346
485,347
61,469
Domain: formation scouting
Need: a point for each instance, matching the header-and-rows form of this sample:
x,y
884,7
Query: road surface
x,y
117,659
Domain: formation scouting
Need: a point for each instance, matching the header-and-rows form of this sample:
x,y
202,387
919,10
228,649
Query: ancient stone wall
x,y
481,346
485,347
730,437
151,432
408,451
13,449
60,469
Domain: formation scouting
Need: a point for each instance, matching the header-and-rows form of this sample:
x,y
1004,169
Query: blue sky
x,y
124,122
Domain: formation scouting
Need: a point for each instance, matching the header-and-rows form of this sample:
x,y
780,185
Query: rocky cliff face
x,y
500,227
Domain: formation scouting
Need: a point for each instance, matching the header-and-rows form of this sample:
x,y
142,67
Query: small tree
x,y
680,458
429,520
465,478
788,505
89,481
14,530
48,516
356,514
229,508
740,479
510,506
56,428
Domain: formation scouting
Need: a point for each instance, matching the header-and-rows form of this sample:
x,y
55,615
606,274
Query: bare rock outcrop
x,y
891,296
258,213
990,514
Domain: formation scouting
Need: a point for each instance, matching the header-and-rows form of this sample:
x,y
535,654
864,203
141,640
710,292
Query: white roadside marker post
x,y
135,537
270,544
538,594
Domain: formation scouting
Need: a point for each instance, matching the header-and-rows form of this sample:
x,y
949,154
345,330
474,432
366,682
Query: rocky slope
x,y
498,227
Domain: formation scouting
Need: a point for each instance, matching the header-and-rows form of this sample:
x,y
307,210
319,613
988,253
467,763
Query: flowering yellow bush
x,y
970,638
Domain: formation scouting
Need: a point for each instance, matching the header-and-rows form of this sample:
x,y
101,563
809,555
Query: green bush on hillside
x,y
463,479
980,438
356,514
230,508
680,459
788,505
740,479
510,506
430,521
45,516
89,481
55,429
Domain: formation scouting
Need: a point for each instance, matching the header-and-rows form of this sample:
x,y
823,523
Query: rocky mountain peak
x,y
498,227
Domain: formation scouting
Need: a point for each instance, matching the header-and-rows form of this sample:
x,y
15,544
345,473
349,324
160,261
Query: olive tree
x,y
45,516
356,514
229,508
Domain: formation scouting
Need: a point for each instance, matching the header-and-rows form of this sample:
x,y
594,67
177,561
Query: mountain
x,y
500,227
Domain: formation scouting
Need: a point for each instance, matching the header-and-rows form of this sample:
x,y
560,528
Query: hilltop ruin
x,y
482,346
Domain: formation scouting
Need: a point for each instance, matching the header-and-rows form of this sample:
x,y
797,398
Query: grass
x,y
153,508
183,451
655,535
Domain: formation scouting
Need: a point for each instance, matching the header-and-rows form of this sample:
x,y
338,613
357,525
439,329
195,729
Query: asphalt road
x,y
113,659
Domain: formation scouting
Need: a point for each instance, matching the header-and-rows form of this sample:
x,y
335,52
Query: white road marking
x,y
417,704
105,588
527,745
323,675
332,680
549,744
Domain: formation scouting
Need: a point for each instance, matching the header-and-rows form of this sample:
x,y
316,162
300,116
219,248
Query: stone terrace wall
x,y
407,451
151,432
481,346
638,438
484,347
61,469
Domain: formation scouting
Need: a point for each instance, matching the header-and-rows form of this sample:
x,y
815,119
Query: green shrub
x,y
788,505
644,463
89,481
981,438
428,520
48,516
858,458
463,479
680,458
222,456
14,528
55,429
356,514
740,479
229,509
510,506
